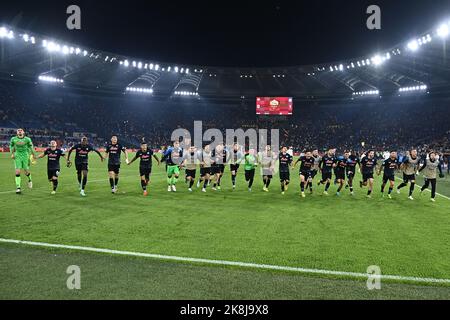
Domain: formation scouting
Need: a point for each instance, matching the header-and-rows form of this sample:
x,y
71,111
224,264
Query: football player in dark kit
x,y
389,166
145,165
113,152
368,164
284,160
306,167
81,161
352,161
53,154
339,171
326,165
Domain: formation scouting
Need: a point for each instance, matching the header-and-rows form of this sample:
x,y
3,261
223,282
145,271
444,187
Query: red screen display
x,y
274,106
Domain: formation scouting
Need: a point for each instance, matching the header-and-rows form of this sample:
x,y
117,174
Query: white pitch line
x,y
228,263
76,184
441,195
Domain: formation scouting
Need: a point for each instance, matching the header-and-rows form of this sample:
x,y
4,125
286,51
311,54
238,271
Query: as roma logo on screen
x,y
274,104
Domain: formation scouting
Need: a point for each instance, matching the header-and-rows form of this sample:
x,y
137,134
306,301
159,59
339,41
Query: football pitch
x,y
324,237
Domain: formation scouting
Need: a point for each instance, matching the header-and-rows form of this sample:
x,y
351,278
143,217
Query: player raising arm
x,y
21,148
81,161
145,165
53,154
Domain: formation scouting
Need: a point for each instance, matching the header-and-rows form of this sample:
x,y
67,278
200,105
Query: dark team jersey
x,y
352,161
389,166
327,163
82,153
341,164
285,161
146,158
368,165
306,164
53,158
114,151
174,156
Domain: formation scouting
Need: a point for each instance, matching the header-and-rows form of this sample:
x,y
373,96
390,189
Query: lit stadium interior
x,y
229,234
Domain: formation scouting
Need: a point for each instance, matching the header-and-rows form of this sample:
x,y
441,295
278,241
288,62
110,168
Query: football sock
x,y
84,183
18,181
411,188
111,182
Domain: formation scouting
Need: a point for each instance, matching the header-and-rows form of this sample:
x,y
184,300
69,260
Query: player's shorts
x,y
22,162
408,177
234,167
340,175
306,174
367,176
205,171
249,174
326,175
350,175
114,168
81,167
285,176
267,172
190,173
173,170
313,173
387,178
52,173
145,171
221,168
215,169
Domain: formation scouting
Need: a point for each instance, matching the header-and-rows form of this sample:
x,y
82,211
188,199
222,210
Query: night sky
x,y
230,33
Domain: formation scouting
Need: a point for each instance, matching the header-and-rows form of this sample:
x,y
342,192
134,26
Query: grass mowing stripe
x,y
229,263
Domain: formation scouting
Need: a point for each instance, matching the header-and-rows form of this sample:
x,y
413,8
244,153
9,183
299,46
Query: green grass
x,y
407,238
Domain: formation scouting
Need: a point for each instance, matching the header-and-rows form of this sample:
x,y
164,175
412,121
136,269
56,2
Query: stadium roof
x,y
413,66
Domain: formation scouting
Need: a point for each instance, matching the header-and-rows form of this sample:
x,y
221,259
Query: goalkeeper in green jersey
x,y
22,152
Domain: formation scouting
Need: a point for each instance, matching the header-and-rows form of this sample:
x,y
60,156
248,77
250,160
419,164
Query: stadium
x,y
194,218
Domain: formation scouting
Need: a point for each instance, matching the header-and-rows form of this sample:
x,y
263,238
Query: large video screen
x,y
274,106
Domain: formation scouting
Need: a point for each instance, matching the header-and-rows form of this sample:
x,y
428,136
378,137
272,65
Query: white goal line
x,y
229,263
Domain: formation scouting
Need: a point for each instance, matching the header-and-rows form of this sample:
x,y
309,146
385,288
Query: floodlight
x,y
413,45
443,31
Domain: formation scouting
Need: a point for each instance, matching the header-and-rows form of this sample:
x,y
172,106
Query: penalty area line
x,y
228,263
